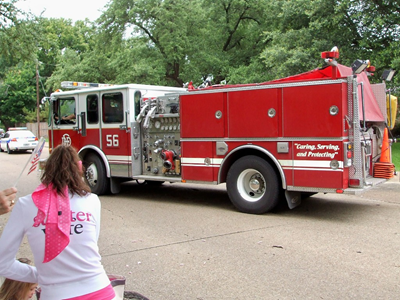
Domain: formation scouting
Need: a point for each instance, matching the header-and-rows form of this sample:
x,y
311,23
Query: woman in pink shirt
x,y
61,220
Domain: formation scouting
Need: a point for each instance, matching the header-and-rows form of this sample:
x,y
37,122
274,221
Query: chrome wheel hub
x,y
251,185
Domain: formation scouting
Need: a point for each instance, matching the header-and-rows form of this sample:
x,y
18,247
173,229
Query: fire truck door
x,y
89,118
115,132
65,127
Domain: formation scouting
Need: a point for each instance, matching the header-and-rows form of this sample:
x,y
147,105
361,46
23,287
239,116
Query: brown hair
x,y
62,169
13,289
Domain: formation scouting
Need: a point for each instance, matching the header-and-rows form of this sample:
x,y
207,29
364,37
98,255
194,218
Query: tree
x,y
169,28
8,13
138,62
17,92
301,29
31,115
59,35
236,37
91,66
16,37
190,40
377,22
62,49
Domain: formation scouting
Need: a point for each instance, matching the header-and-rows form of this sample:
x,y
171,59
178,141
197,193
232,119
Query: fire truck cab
x,y
320,131
99,121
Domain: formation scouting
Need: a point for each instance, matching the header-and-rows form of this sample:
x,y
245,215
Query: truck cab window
x,y
113,109
92,106
137,97
65,112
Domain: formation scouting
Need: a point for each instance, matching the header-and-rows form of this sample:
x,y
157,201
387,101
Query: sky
x,y
67,9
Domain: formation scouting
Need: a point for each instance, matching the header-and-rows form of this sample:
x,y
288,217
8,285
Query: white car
x,y
18,139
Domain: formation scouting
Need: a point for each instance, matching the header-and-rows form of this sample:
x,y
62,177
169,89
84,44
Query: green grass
x,y
396,154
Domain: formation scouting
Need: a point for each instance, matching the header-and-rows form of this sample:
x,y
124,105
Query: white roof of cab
x,y
140,87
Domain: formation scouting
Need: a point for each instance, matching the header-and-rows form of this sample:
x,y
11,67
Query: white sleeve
x,y
97,213
98,220
10,242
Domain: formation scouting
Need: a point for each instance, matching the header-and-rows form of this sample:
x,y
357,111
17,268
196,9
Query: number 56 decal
x,y
112,140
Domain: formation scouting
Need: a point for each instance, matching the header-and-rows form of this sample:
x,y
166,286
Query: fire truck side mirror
x,y
44,100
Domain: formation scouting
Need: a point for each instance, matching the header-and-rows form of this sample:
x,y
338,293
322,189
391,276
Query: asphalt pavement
x,y
187,241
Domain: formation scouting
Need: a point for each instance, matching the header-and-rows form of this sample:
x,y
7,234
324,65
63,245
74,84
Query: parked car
x,y
18,139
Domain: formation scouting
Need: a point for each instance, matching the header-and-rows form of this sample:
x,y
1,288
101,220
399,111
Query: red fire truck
x,y
316,132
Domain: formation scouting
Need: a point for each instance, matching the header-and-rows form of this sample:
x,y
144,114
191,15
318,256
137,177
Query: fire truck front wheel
x,y
95,175
252,185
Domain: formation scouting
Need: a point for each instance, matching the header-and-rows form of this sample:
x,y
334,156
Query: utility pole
x,y
37,100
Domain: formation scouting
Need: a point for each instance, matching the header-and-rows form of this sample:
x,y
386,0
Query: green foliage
x,y
73,66
44,40
251,73
61,46
396,155
377,23
31,115
16,37
17,92
170,42
189,40
144,62
169,29
301,31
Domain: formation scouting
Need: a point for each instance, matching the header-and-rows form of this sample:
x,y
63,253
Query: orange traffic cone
x,y
385,150
384,168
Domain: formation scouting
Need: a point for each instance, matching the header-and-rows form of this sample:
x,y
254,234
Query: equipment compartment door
x,y
314,111
198,163
253,113
202,115
318,164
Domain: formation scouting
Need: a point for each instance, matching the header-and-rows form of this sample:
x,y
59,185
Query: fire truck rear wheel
x,y
95,175
252,185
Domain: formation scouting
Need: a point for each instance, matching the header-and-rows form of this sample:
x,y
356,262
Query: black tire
x,y
95,175
252,185
8,150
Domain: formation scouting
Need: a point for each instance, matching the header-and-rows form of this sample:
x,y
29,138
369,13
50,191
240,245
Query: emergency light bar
x,y
81,85
330,56
17,128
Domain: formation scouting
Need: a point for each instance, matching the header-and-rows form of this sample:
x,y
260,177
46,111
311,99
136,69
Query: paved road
x,y
188,242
